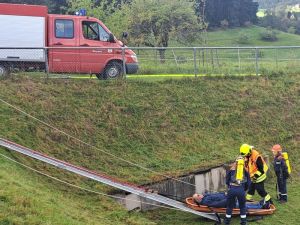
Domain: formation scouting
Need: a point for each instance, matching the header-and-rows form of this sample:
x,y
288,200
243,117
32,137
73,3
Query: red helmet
x,y
276,148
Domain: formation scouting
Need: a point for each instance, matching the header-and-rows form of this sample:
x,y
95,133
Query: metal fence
x,y
219,60
183,61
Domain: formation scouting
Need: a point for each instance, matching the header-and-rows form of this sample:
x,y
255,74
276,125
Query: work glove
x,y
286,175
256,176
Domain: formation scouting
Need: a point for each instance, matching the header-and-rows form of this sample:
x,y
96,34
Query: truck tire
x,y
4,71
113,70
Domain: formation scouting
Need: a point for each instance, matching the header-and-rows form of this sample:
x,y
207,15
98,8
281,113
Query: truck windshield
x,y
94,31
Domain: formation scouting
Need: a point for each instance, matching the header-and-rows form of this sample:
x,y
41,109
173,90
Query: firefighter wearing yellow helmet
x,y
257,168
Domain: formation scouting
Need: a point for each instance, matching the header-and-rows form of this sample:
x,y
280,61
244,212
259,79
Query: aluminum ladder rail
x,y
103,179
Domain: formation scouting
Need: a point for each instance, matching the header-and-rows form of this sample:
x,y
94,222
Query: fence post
x,y
175,58
124,63
47,63
256,61
276,54
212,60
195,61
239,60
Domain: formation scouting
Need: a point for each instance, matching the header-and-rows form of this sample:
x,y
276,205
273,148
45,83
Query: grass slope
x,y
28,198
229,37
172,127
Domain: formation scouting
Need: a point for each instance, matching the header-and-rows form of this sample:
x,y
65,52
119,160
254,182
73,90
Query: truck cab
x,y
60,43
82,44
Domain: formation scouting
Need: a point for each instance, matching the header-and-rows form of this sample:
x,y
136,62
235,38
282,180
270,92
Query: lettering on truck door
x,y
63,33
92,60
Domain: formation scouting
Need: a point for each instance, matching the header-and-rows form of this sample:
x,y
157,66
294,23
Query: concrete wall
x,y
209,181
214,180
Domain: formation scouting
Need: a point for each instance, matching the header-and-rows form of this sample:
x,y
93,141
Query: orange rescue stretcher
x,y
251,212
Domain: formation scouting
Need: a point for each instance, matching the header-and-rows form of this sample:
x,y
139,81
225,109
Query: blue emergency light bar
x,y
81,12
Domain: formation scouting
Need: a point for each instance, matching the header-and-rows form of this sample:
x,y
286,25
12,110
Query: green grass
x,y
225,61
229,37
28,198
172,126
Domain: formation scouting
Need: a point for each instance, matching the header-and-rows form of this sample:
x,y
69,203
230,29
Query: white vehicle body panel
x,y
22,32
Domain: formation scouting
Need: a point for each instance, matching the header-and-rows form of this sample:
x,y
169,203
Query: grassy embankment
x,y
172,127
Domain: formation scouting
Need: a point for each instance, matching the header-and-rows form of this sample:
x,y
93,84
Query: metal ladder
x,y
103,179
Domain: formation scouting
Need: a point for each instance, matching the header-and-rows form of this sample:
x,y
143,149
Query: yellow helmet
x,y
245,149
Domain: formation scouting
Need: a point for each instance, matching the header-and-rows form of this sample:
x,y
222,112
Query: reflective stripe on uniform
x,y
249,197
258,173
228,216
260,179
267,198
243,216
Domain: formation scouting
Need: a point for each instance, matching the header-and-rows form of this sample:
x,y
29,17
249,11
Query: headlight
x,y
134,58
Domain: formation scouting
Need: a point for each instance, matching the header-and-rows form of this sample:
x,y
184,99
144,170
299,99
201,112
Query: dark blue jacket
x,y
280,167
219,200
216,200
229,179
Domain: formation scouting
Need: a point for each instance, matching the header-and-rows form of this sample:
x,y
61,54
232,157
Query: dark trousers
x,y
260,187
282,189
236,192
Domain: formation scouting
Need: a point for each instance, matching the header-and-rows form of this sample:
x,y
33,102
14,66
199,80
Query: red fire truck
x,y
30,37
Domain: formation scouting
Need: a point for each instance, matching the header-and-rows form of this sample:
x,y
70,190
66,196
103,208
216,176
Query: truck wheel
x,y
112,70
4,71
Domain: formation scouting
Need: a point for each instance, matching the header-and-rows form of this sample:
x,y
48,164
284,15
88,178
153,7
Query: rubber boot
x,y
227,221
243,221
266,204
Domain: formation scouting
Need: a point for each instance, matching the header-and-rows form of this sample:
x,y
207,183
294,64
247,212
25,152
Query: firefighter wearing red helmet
x,y
282,171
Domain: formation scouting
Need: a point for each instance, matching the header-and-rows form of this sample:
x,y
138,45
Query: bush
x,y
243,39
291,30
224,24
247,24
268,35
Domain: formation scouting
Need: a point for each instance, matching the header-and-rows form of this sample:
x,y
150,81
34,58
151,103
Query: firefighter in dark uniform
x,y
257,169
282,171
238,181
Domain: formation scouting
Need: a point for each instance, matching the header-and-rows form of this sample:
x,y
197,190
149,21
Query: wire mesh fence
x,y
109,63
219,61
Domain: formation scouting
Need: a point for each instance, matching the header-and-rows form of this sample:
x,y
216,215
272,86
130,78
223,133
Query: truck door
x,y
93,59
62,33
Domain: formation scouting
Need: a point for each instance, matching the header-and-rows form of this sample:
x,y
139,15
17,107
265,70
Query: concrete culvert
x,y
211,180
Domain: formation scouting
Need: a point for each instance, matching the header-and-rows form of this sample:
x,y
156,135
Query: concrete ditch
x,y
211,180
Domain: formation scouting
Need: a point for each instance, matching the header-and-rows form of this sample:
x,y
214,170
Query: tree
x,y
236,12
102,9
93,8
153,22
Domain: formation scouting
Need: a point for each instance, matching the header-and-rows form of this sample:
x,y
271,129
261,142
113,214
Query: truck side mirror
x,y
124,35
111,38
